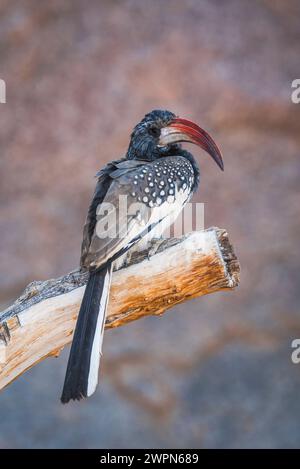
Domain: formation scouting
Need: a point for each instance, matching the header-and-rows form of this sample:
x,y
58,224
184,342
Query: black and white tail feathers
x,y
83,365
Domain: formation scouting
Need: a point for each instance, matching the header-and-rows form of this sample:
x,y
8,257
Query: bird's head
x,y
159,133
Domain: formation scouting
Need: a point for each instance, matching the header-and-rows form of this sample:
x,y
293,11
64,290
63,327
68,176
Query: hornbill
x,y
158,177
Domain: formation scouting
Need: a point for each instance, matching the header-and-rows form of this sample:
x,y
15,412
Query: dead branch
x,y
41,322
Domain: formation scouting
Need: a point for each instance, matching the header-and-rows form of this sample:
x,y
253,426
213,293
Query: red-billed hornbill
x,y
159,177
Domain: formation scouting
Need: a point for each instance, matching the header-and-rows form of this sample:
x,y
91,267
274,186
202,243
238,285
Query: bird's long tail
x,y
83,365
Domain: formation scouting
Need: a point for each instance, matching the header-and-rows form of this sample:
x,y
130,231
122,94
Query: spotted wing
x,y
140,196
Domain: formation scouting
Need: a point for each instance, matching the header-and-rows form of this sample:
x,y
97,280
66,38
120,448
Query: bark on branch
x,y
41,322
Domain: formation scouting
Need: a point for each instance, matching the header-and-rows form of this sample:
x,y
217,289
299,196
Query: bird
x,y
157,177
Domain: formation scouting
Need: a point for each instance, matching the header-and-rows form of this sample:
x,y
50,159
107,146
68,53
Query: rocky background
x,y
214,372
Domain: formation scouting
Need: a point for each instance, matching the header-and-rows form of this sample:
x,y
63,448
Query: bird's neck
x,y
143,150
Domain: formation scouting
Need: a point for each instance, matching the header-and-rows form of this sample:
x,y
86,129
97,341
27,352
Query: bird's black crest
x,y
159,116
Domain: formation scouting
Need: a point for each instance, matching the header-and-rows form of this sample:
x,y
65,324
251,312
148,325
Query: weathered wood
x,y
41,322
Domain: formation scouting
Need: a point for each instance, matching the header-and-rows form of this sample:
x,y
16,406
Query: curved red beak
x,y
182,130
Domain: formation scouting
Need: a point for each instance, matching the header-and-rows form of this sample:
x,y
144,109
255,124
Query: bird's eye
x,y
154,131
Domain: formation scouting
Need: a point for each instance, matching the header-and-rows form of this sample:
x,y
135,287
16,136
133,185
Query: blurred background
x,y
213,372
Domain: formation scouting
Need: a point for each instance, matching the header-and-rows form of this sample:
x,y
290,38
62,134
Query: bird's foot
x,y
154,247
